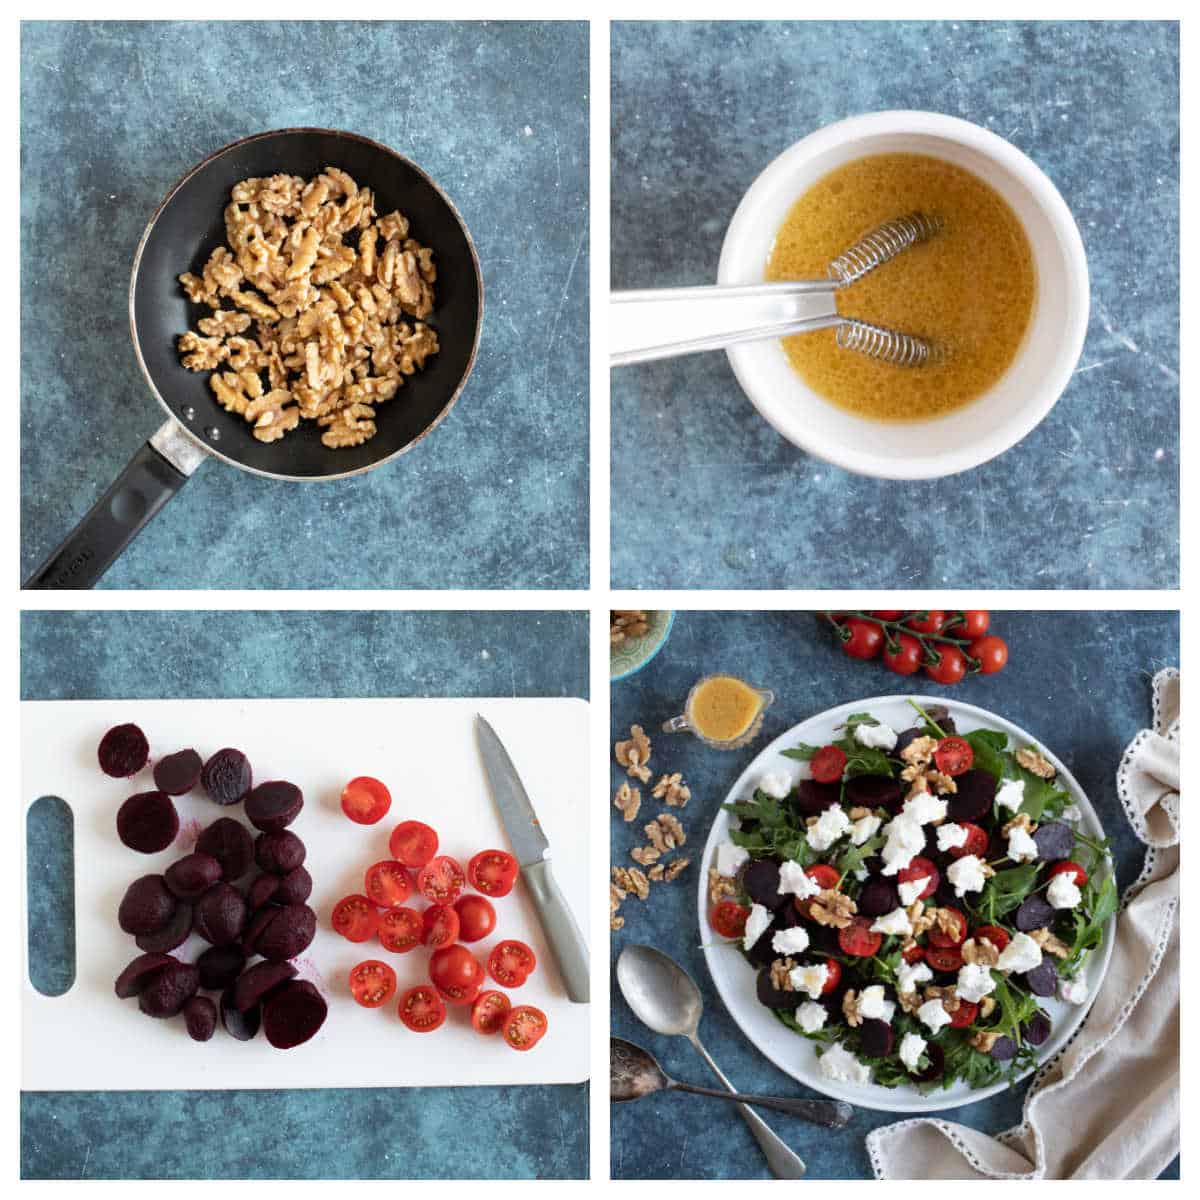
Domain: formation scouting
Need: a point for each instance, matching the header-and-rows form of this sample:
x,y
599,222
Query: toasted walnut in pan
x,y
321,294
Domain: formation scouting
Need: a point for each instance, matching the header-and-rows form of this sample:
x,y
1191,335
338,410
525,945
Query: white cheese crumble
x,y
830,826
864,828
908,975
790,941
910,890
873,1005
1021,954
974,982
756,925
950,837
795,881
966,874
933,1016
862,874
837,1063
731,858
1072,813
1073,991
912,1046
877,737
777,784
925,807
811,1016
1063,892
809,978
1021,847
895,922
1011,794
905,840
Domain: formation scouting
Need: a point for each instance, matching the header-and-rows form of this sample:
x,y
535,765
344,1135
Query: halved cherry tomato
x,y
441,880
413,843
400,930
950,668
489,1011
906,658
387,884
833,975
728,918
964,1014
953,756
976,843
929,622
511,963
524,1027
992,653
937,937
973,623
920,868
476,918
944,958
366,800
439,926
913,954
828,764
823,875
493,872
422,1009
355,918
457,974
372,983
994,934
865,638
1069,868
857,940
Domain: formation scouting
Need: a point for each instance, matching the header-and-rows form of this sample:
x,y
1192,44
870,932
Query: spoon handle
x,y
784,1162
830,1113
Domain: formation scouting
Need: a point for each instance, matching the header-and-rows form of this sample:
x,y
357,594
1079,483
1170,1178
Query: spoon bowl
x,y
661,993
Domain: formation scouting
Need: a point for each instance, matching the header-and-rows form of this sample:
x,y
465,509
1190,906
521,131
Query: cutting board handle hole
x,y
50,895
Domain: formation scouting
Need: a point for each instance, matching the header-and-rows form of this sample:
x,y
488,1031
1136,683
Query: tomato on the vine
x,y
886,614
992,653
827,764
865,638
972,624
950,667
905,656
953,756
929,622
729,918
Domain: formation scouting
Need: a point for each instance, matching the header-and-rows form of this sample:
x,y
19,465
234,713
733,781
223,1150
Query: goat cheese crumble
x,y
756,925
876,737
966,875
1063,891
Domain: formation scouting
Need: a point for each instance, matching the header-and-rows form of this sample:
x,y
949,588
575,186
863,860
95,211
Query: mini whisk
x,y
665,322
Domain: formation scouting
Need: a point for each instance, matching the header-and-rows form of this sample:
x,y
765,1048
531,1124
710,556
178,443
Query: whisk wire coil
x,y
881,245
886,345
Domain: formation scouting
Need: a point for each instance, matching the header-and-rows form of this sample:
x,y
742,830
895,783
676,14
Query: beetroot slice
x,y
1035,912
200,1014
220,914
139,973
219,966
169,990
812,798
146,907
876,1038
191,876
258,923
1054,840
230,843
975,795
1043,979
294,888
227,776
240,1025
1004,1048
123,751
879,896
769,995
171,936
274,805
261,891
1037,1028
937,1063
761,881
875,791
254,984
293,1014
279,852
178,773
148,822
289,934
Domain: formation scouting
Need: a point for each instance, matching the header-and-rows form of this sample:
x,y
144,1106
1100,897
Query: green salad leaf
x,y
1004,892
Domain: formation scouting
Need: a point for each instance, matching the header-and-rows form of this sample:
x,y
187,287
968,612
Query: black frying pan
x,y
187,227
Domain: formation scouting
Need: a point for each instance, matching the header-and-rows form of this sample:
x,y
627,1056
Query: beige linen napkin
x,y
1093,1115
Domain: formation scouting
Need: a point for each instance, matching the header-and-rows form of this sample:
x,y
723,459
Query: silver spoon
x,y
634,1072
665,997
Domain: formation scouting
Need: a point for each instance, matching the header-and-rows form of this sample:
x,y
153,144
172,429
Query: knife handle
x,y
566,942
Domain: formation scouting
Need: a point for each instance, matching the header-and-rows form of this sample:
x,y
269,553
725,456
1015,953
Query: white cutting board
x,y
425,751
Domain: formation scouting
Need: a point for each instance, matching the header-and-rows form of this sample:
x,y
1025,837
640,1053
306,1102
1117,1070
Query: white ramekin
x,y
1026,392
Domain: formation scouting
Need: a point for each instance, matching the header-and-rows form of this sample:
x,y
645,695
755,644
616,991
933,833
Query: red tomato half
x,y
913,954
976,843
944,940
833,975
857,940
400,930
827,764
456,973
366,800
489,1011
476,918
964,1014
439,926
524,1027
372,983
729,919
953,756
920,868
493,872
413,843
1069,868
441,880
994,934
422,1009
387,884
944,958
511,963
355,918
823,875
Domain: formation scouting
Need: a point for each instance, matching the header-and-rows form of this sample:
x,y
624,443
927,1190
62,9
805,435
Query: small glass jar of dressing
x,y
723,711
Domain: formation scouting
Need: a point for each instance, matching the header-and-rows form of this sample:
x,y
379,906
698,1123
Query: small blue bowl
x,y
630,656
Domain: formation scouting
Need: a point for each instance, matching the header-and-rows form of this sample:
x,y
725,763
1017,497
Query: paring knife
x,y
532,851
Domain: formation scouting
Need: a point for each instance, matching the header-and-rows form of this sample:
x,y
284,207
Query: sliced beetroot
x,y
258,981
200,1014
1037,1029
240,1025
295,887
146,907
227,776
761,881
1035,912
169,990
771,996
191,876
178,773
123,751
876,1038
172,935
937,1063
822,939
219,966
973,800
812,798
293,1014
874,791
762,954
262,890
1054,840
289,934
1043,979
220,914
139,973
878,897
258,923
279,852
1003,1048
148,822
274,805
230,843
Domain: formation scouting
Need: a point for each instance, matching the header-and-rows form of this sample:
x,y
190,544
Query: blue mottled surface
x,y
528,1132
114,113
1059,664
1088,500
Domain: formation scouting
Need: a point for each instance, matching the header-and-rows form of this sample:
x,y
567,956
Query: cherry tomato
x,y
355,918
422,1009
823,875
400,930
913,954
456,973
865,638
729,919
992,653
476,918
387,884
524,1027
944,958
827,764
887,614
493,872
994,934
976,843
944,940
953,756
365,800
511,963
833,975
950,668
372,983
857,940
964,1014
413,843
439,926
441,880
489,1011
929,622
920,868
906,658
972,624
1069,868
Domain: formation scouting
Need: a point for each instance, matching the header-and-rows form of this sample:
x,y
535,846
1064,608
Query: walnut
x,y
919,751
910,1001
615,922
980,951
645,855
918,787
943,784
1020,821
615,896
634,754
222,323
832,908
201,353
656,873
630,879
781,974
947,921
850,1009
920,917
1050,943
627,801
1035,763
984,1040
626,623
665,832
350,426
987,1006
720,887
676,868
947,995
673,790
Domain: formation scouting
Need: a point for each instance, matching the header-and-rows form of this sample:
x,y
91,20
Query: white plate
x,y
735,977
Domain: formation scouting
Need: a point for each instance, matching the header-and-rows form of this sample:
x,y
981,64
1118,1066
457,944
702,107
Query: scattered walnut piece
x,y
947,995
655,874
781,974
980,951
615,896
630,879
673,790
676,868
645,855
1050,943
910,1001
627,801
720,887
1035,763
626,623
850,1009
1020,821
832,908
984,1040
665,832
634,753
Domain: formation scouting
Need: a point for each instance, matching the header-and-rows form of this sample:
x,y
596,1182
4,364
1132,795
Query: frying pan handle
x,y
154,474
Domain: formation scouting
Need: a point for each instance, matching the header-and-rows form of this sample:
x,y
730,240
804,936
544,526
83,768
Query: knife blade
x,y
532,850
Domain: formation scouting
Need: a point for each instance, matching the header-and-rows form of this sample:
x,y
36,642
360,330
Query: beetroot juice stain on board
x,y
969,289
